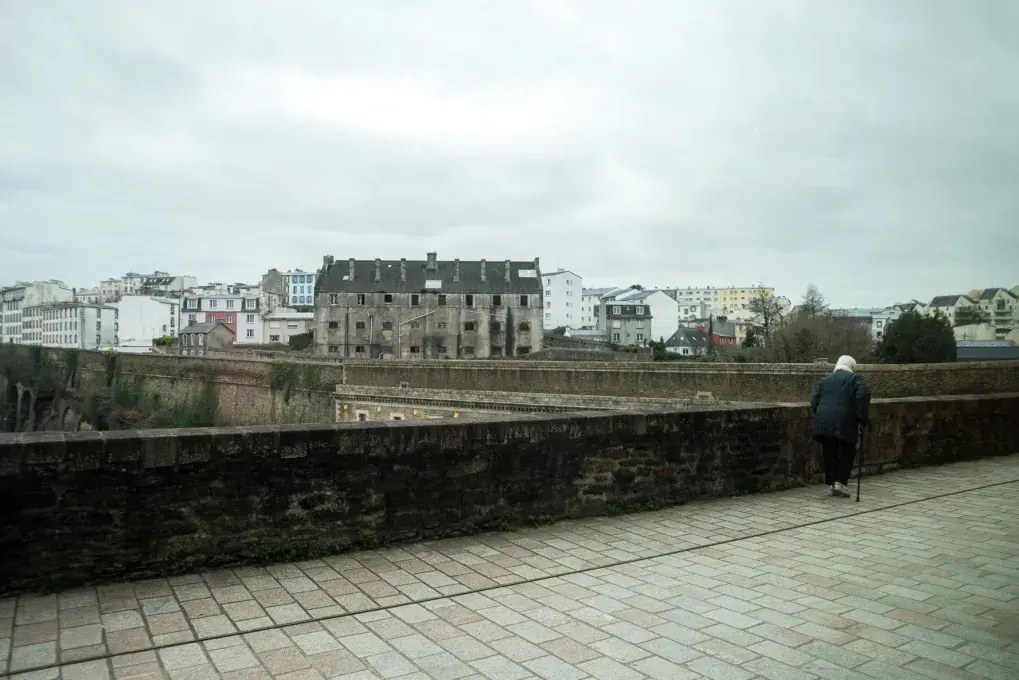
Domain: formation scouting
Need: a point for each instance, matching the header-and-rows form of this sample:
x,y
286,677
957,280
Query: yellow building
x,y
732,299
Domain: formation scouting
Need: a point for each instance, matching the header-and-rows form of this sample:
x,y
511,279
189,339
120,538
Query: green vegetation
x,y
301,341
914,338
105,401
285,376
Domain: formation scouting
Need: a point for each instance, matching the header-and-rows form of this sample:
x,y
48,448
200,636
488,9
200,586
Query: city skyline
x,y
865,147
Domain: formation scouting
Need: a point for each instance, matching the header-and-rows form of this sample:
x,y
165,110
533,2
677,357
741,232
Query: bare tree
x,y
813,302
766,310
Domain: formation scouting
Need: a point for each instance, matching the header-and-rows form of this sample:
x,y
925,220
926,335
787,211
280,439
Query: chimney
x,y
432,264
484,274
326,261
378,270
507,271
350,263
456,270
403,269
537,269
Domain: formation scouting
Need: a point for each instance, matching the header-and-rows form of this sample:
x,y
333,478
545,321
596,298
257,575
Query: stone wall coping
x,y
524,364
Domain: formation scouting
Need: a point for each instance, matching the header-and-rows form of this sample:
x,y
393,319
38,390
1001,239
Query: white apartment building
x,y
283,323
240,311
87,296
299,289
661,306
590,306
711,297
15,299
881,319
70,325
157,283
563,293
949,305
144,318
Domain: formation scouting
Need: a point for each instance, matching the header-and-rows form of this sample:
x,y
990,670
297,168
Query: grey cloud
x,y
866,146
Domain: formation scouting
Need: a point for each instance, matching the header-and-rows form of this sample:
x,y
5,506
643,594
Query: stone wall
x,y
112,505
772,383
725,382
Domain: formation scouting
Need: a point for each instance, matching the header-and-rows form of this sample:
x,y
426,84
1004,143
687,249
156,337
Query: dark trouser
x,y
838,459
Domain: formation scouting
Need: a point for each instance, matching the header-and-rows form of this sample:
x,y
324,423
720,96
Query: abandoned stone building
x,y
428,309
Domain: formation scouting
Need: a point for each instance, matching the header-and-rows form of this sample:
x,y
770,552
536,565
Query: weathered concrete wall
x,y
112,505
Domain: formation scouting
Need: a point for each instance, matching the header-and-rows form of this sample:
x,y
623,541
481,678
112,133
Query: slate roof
x,y
687,337
202,328
334,277
988,293
627,310
986,350
949,300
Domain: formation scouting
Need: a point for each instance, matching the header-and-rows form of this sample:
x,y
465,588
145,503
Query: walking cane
x,y
859,470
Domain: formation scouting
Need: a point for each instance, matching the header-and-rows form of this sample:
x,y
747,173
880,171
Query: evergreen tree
x,y
917,339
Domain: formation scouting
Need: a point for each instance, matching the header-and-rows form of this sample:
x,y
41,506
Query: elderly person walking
x,y
840,403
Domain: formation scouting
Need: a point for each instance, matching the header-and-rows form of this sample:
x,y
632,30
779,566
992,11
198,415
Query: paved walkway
x,y
919,581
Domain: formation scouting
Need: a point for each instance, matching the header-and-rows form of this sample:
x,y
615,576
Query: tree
x,y
750,339
766,310
813,302
914,338
711,336
971,314
804,338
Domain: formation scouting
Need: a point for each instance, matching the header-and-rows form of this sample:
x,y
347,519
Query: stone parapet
x,y
99,506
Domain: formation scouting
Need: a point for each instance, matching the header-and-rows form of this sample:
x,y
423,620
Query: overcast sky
x,y
870,147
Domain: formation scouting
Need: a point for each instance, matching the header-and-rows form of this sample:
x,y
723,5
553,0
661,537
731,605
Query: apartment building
x,y
283,323
294,289
563,293
240,311
661,306
627,323
157,283
144,318
15,299
949,305
1000,306
428,309
88,296
70,325
590,306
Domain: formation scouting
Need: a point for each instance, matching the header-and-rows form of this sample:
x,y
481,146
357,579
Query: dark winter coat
x,y
840,403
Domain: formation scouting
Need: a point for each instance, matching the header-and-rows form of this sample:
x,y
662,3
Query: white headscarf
x,y
845,363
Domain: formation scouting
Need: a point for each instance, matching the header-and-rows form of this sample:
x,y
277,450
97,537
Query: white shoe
x,y
841,489
831,490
